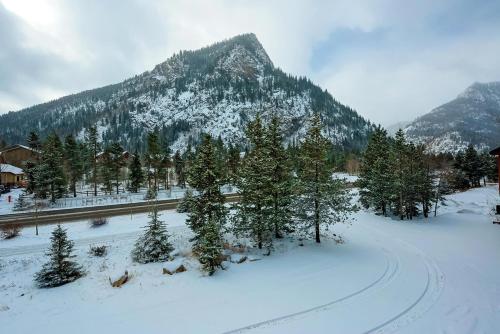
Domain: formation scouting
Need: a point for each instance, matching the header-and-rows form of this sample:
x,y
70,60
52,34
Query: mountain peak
x,y
472,118
241,56
482,91
217,89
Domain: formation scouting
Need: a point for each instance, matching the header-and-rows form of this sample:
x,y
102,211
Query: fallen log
x,y
119,282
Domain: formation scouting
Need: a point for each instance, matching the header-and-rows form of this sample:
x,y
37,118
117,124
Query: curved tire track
x,y
430,294
390,271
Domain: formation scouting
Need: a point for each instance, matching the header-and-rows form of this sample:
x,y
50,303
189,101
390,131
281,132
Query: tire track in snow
x,y
40,248
429,296
425,300
391,269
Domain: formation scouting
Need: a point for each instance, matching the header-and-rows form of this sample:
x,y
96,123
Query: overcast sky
x,y
389,60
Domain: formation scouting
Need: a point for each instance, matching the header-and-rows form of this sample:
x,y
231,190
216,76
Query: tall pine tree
x,y
323,200
93,149
207,214
255,207
73,162
280,190
136,175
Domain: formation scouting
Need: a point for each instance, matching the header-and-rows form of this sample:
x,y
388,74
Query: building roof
x,y
13,147
496,151
6,168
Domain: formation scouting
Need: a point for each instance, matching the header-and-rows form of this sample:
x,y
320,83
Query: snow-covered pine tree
x,y
30,166
93,147
21,203
59,270
281,182
254,184
375,182
73,162
50,178
472,166
180,170
166,163
210,245
153,245
208,203
136,175
186,203
399,171
322,200
233,163
425,179
411,181
154,157
106,171
116,162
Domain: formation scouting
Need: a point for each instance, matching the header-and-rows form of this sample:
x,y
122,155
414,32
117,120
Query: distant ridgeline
x,y
216,89
472,118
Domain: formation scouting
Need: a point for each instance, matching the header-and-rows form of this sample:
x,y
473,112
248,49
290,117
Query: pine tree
x,y
179,167
116,163
105,166
210,246
93,149
166,163
154,157
254,207
399,171
186,203
30,166
60,269
472,166
281,179
21,203
375,181
136,175
207,214
153,245
233,163
322,199
50,178
73,162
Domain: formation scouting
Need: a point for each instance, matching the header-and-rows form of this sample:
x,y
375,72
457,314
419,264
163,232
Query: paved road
x,y
66,215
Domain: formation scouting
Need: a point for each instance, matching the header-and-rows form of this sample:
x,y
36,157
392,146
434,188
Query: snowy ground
x,y
6,206
440,275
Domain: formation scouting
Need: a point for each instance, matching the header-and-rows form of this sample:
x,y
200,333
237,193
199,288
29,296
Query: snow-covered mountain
x,y
216,89
473,117
393,128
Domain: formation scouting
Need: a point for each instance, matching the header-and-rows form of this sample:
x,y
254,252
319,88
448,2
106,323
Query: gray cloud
x,y
388,59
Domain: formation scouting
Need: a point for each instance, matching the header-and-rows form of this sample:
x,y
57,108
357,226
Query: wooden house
x,y
11,175
17,155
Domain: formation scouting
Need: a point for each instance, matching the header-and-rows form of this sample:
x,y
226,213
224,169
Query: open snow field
x,y
440,275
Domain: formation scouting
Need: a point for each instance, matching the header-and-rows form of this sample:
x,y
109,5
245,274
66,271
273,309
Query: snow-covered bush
x,y
98,251
153,245
59,270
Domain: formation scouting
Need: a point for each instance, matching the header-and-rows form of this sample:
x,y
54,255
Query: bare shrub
x,y
98,251
10,231
97,222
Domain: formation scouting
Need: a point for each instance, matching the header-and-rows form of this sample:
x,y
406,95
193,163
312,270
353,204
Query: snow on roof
x,y
6,168
17,146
